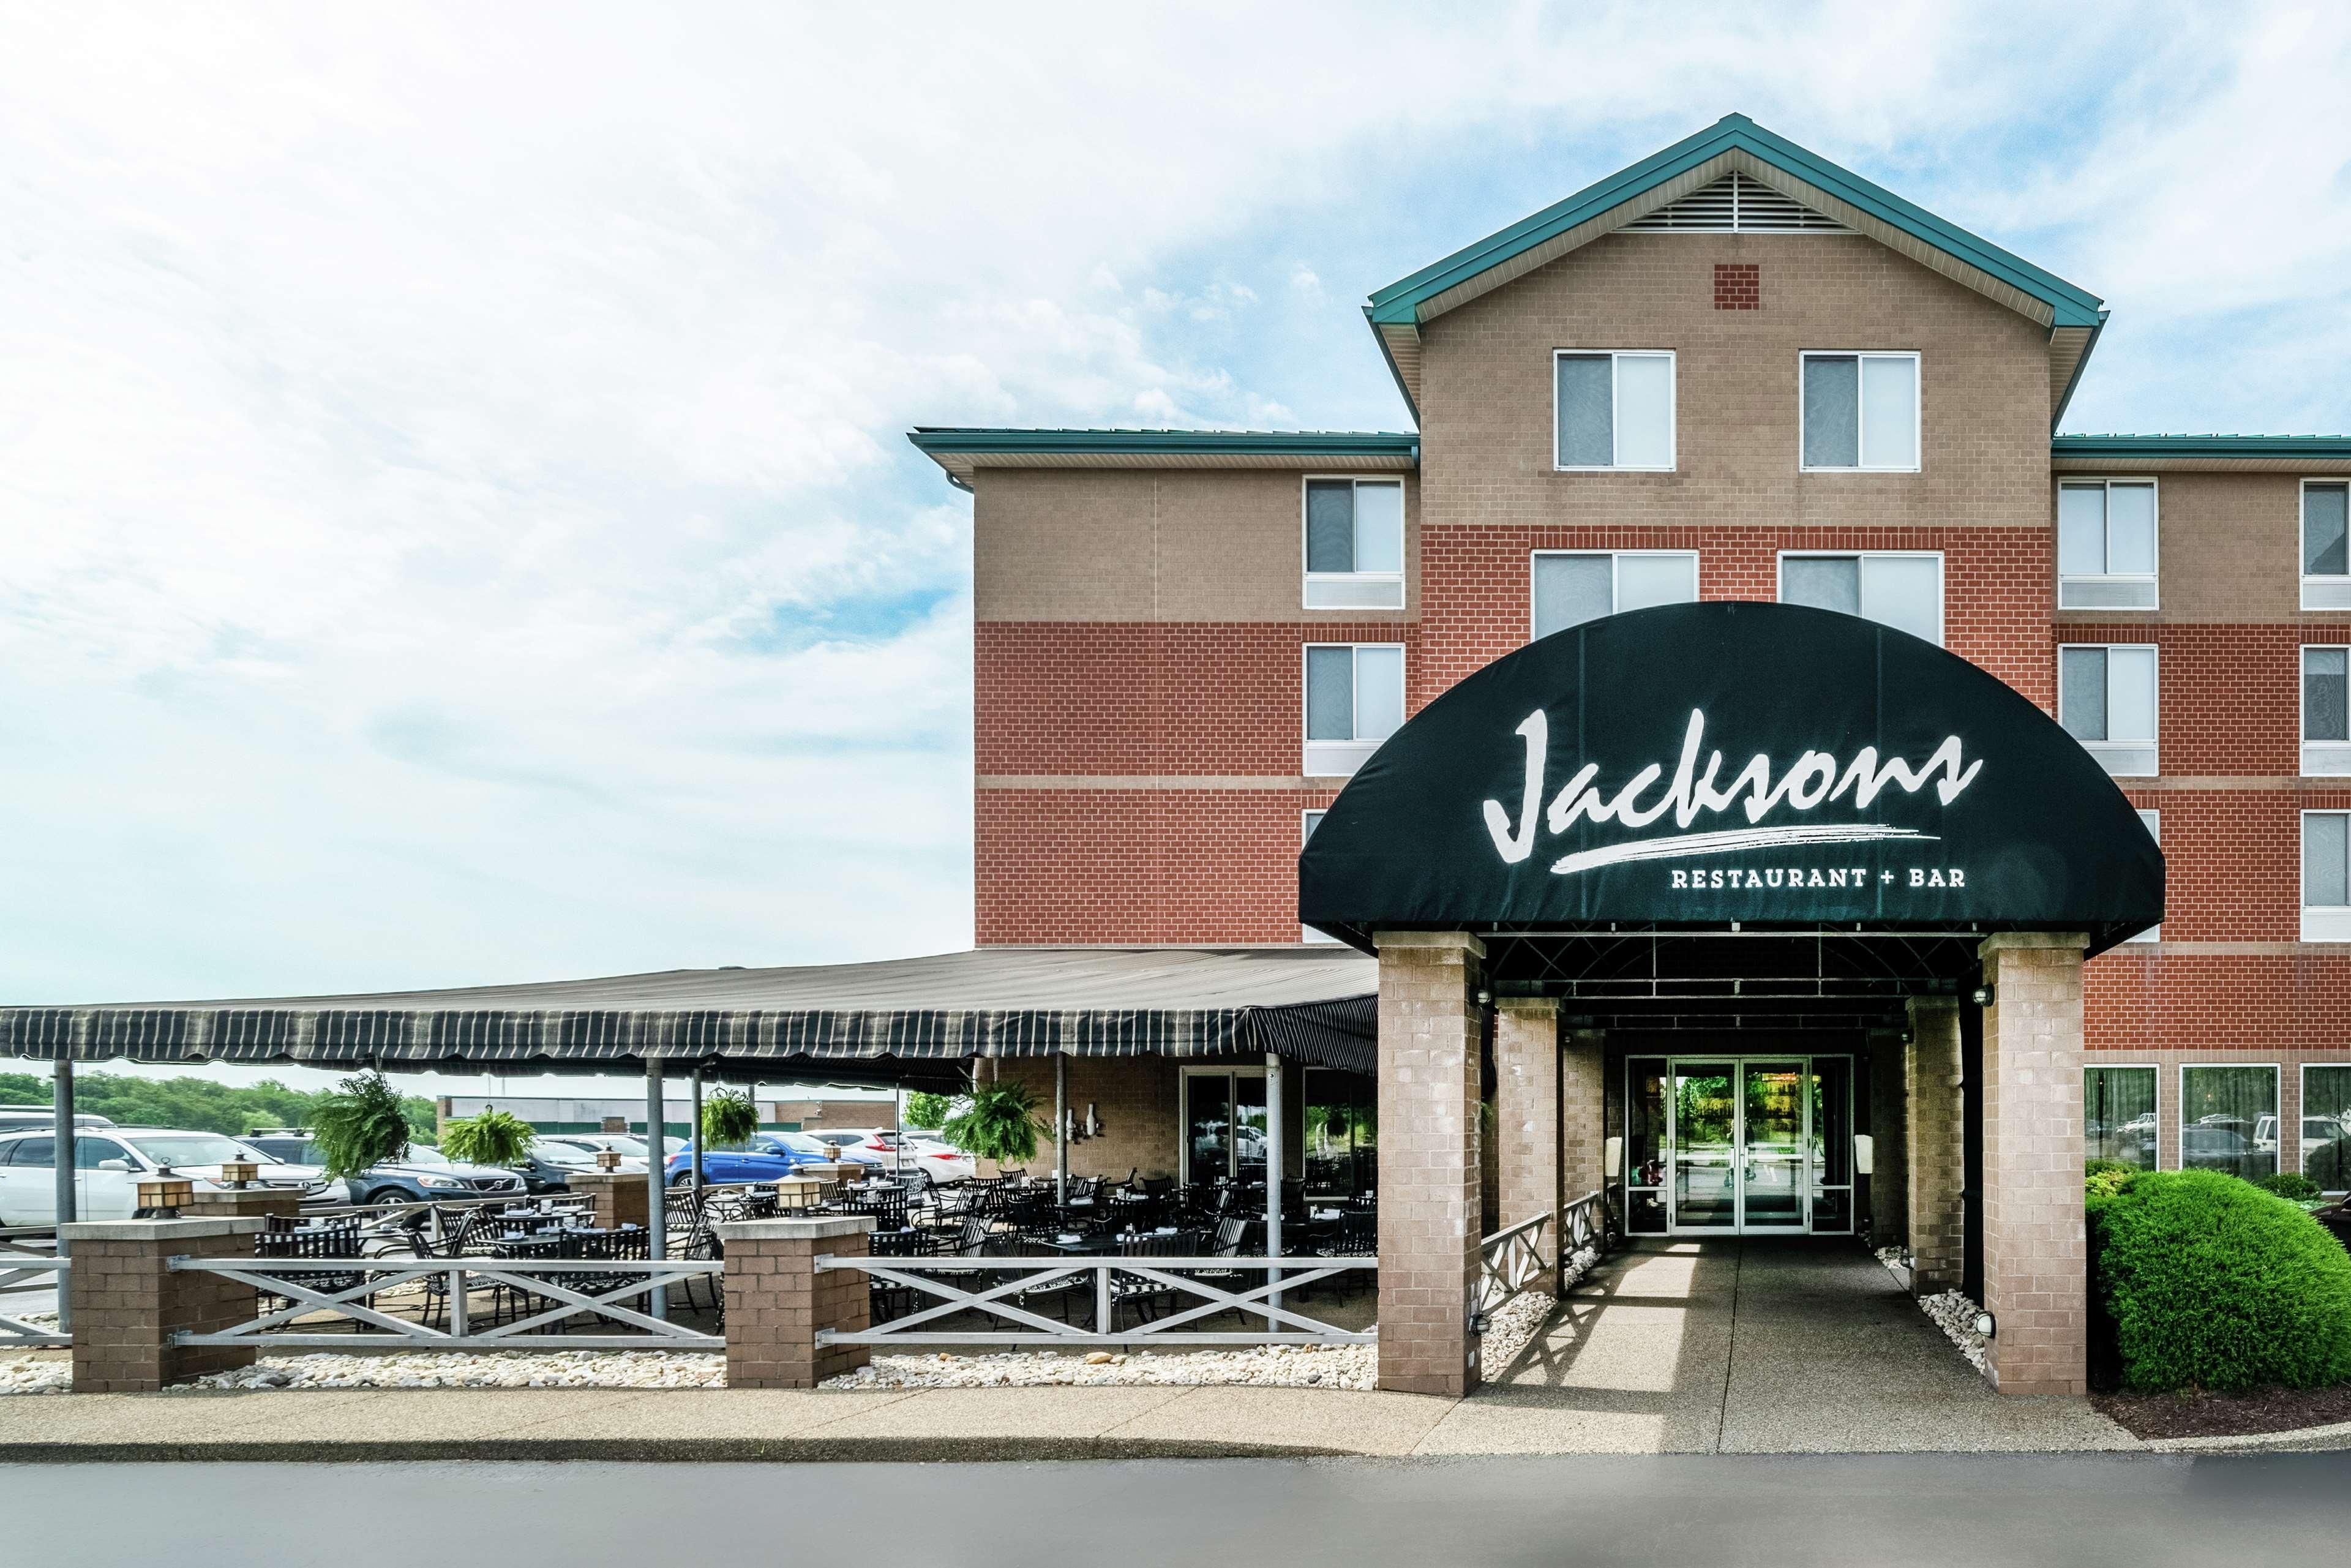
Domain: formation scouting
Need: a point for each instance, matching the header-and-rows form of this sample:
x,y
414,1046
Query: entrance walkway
x,y
1757,1345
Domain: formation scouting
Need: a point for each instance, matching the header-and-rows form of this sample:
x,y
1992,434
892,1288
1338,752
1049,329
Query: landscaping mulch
x,y
2225,1414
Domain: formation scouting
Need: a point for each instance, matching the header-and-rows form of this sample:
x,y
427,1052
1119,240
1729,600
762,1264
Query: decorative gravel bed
x,y
1953,1312
497,1369
23,1374
1258,1366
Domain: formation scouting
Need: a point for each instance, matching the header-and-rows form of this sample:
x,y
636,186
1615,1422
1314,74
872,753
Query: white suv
x,y
108,1165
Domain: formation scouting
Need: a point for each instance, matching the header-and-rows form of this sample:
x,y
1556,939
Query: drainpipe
x,y
62,1093
1061,1127
1274,1165
694,1136
656,1201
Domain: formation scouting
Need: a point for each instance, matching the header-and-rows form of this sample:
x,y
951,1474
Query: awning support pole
x,y
1060,1127
695,1135
1273,1168
656,1201
62,1094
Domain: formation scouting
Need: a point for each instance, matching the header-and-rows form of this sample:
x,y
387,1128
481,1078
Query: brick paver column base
x,y
2035,1253
1938,1151
1429,1181
776,1300
128,1303
245,1203
1526,1110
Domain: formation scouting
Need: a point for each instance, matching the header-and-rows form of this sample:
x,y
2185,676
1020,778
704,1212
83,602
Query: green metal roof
x,y
937,439
2199,446
1402,302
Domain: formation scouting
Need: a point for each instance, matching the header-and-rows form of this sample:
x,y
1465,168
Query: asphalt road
x,y
1977,1511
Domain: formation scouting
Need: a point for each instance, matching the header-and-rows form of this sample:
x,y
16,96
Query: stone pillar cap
x,y
817,1227
161,1229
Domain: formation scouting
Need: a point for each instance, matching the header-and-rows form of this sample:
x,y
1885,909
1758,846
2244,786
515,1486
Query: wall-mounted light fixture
x,y
1983,996
1985,1324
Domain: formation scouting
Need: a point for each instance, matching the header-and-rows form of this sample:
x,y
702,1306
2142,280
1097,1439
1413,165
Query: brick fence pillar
x,y
1429,1178
776,1300
246,1203
128,1303
1938,1150
1526,1112
619,1199
2035,1253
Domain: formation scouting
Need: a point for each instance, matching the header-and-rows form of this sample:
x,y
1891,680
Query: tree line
x,y
196,1104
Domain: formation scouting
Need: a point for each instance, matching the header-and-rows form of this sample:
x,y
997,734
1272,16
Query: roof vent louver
x,y
1735,204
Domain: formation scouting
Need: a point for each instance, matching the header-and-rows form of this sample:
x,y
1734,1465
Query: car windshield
x,y
424,1155
195,1149
801,1144
634,1148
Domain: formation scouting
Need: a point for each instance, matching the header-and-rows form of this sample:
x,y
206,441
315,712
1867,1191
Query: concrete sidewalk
x,y
1721,1348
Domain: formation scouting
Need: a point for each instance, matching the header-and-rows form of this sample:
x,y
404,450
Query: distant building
x,y
566,1113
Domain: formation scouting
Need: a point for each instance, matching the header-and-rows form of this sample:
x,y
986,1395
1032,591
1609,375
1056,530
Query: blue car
x,y
764,1158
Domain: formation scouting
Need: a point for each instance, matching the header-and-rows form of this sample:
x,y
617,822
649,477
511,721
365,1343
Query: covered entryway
x,y
1756,918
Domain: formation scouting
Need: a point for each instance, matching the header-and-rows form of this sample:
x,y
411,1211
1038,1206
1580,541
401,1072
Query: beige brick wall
x,y
1583,1094
1171,545
1938,1156
2228,550
1526,1107
1140,1102
1487,401
1430,1182
776,1301
2035,1253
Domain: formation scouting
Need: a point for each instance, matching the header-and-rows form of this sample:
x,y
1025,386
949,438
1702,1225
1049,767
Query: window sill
x,y
2325,759
2325,925
1612,468
2106,593
1354,591
1802,469
1336,759
2327,593
2124,759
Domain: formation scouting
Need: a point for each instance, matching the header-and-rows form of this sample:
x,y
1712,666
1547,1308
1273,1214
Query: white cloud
x,y
456,514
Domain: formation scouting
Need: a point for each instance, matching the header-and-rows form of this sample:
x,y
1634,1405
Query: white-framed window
x,y
2106,699
2326,876
1355,700
1613,409
1353,543
1901,589
2325,711
1571,587
2229,1118
2106,535
1308,821
2121,1107
2327,1125
2326,544
2152,822
1860,412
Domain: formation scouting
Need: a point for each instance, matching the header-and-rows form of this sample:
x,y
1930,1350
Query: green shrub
x,y
494,1137
2105,1179
360,1126
729,1118
2214,1283
2292,1185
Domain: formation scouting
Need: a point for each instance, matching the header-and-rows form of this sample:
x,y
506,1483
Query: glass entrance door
x,y
1746,1146
1773,1111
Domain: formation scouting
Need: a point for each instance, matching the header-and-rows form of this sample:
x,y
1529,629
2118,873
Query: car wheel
x,y
383,1195
682,1178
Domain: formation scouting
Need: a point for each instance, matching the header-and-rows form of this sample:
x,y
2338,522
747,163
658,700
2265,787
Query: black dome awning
x,y
1732,765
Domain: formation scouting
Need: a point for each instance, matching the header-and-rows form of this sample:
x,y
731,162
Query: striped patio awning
x,y
910,1020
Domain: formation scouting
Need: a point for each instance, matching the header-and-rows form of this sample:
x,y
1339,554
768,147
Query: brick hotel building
x,y
1733,371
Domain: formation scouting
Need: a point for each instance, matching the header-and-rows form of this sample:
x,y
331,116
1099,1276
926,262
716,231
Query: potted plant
x,y
729,1118
361,1125
998,1123
492,1137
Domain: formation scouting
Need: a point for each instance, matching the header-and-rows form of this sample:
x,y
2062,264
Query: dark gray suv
x,y
424,1176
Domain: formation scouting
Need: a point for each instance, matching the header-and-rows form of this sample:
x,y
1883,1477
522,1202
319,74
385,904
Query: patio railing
x,y
540,1294
22,1271
1519,1255
1185,1291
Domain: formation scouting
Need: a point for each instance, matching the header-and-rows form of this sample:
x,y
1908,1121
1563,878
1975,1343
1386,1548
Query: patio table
x,y
1098,1241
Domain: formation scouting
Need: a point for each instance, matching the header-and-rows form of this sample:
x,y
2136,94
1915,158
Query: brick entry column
x,y
1938,1150
1527,1111
1429,1182
1583,1112
1889,1115
619,1199
2034,1249
128,1303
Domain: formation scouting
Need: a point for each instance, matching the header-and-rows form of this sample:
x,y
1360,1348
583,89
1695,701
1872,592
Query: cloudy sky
x,y
458,521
